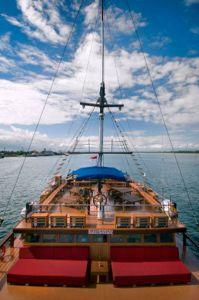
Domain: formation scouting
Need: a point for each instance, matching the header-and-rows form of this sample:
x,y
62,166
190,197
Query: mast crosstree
x,y
102,102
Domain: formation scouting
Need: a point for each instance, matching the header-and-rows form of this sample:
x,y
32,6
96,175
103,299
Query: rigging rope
x,y
124,143
45,103
161,112
82,97
119,87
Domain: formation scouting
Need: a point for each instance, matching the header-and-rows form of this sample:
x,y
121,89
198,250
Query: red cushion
x,y
144,253
38,252
70,252
54,252
164,272
51,272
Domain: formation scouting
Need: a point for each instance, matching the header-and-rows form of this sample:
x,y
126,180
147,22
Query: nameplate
x,y
102,231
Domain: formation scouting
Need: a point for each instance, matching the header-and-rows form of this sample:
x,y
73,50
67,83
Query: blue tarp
x,y
99,173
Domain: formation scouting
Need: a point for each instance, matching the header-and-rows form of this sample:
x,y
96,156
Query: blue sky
x,y
33,34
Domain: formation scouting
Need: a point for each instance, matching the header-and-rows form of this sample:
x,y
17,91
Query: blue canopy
x,y
98,173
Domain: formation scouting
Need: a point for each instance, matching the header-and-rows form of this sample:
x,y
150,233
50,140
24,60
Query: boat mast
x,y
102,99
101,102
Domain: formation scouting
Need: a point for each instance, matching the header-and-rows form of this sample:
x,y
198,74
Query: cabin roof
x,y
98,173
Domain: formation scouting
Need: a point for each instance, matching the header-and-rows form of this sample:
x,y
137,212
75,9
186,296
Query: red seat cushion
x,y
51,272
54,252
144,253
36,252
129,273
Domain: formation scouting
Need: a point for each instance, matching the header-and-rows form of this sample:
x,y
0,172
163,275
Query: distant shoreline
x,y
4,154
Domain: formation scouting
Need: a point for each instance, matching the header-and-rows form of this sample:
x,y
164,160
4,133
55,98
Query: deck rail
x,y
9,238
84,206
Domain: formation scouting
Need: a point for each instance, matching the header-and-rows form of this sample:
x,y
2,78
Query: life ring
x,y
2,251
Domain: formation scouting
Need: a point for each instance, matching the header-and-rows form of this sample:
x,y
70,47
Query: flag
x,y
93,157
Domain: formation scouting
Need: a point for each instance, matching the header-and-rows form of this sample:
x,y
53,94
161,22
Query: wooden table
x,y
99,268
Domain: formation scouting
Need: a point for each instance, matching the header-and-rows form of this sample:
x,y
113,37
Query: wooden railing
x,y
83,206
9,238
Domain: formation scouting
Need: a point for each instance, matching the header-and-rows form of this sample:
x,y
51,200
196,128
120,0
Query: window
x,y
82,238
33,238
166,237
117,239
134,238
66,238
99,238
49,238
150,238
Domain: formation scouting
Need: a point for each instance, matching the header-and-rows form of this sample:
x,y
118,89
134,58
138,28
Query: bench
x,y
140,265
51,265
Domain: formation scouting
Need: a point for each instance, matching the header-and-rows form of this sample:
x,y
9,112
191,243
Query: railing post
x,y
184,244
12,239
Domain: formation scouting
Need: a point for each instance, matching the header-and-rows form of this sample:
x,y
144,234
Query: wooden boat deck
x,y
66,199
9,259
104,291
92,222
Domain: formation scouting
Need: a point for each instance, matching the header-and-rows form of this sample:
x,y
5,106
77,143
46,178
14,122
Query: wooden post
x,y
12,239
184,244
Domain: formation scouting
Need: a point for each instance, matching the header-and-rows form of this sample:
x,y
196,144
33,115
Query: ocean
x,y
160,169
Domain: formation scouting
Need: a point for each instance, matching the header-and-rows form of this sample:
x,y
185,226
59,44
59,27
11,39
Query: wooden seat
x,y
58,220
142,221
123,220
160,221
77,220
39,219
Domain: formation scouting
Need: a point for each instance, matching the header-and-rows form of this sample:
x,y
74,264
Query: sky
x,y
33,35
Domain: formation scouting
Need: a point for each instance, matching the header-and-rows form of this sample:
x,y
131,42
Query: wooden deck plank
x,y
100,292
52,196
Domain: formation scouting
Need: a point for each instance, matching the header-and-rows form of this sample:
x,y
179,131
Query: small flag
x,y
93,157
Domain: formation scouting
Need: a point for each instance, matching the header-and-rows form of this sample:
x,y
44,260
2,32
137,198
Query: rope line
x,y
161,112
44,106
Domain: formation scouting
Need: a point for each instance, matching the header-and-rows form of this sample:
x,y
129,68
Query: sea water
x,y
160,169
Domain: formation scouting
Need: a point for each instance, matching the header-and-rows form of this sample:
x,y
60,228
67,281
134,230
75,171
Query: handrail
x,y
8,237
92,205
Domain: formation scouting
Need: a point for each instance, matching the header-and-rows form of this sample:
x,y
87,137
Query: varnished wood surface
x,y
39,215
10,258
52,196
148,197
100,292
99,267
103,291
66,198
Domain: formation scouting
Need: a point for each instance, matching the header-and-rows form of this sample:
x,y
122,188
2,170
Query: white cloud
x,y
41,20
6,64
5,41
91,12
190,2
177,91
175,79
116,18
18,138
12,20
195,30
160,42
34,56
120,21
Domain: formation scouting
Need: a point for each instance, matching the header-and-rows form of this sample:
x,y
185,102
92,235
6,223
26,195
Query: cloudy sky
x,y
33,36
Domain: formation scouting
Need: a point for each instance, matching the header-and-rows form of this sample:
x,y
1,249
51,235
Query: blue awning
x,y
98,173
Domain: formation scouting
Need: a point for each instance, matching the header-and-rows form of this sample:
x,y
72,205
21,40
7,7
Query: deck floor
x,y
99,291
10,257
